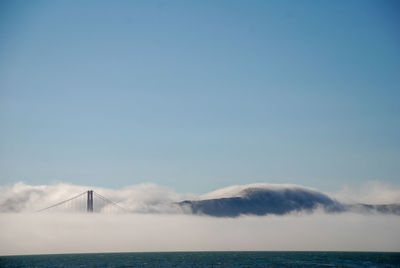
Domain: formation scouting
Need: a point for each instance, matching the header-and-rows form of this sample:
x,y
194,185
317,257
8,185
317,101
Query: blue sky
x,y
197,95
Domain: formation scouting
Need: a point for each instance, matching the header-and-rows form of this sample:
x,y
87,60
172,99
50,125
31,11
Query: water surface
x,y
208,259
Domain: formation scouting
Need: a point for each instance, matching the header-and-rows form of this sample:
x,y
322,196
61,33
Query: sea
x,y
208,259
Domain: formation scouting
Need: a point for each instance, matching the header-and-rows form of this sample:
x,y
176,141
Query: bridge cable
x,y
109,201
62,202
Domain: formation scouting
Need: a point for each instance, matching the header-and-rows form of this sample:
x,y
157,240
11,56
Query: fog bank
x,y
253,199
23,233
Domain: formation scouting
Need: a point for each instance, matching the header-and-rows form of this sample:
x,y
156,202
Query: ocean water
x,y
208,259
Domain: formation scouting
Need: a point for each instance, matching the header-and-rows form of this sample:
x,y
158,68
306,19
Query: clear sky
x,y
197,95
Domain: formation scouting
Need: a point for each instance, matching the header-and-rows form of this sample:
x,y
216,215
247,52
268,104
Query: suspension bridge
x,y
88,201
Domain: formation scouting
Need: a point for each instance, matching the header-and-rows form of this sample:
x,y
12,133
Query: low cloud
x,y
141,198
253,199
372,192
37,233
295,218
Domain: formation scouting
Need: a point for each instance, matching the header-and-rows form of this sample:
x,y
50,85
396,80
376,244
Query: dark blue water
x,y
208,259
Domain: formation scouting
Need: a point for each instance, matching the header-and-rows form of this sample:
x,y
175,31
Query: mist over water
x,y
24,233
159,219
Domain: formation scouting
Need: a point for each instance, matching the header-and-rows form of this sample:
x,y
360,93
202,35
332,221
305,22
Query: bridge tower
x,y
90,201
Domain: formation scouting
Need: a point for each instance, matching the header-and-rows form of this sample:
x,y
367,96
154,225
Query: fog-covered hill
x,y
263,200
279,200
